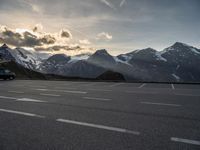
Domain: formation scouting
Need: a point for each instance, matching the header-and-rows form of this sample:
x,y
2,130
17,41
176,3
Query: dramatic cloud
x,y
42,41
38,27
24,38
66,49
85,42
104,36
48,39
65,34
133,24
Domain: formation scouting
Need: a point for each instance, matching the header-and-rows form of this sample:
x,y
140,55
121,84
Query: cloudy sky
x,y
77,26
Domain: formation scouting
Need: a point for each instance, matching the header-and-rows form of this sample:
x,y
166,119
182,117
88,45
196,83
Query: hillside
x,y
20,71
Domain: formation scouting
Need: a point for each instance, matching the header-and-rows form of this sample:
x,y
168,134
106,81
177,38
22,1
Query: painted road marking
x,y
42,89
21,113
161,104
5,97
53,95
100,90
187,141
173,88
37,86
22,99
141,86
96,98
65,91
30,100
99,126
17,92
140,92
117,84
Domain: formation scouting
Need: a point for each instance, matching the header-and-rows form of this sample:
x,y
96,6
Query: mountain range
x,y
177,63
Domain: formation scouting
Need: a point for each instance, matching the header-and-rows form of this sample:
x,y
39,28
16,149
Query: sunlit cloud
x,y
24,37
38,27
85,42
65,34
44,42
104,36
129,23
71,49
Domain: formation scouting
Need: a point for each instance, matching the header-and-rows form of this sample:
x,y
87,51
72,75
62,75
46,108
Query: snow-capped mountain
x,y
177,63
27,58
184,59
74,66
6,53
147,54
102,58
54,63
180,52
24,57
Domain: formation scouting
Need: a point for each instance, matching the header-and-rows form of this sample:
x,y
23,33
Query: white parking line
x,y
5,97
30,100
75,92
172,85
22,99
161,104
17,92
65,91
117,84
95,98
101,90
140,92
187,141
44,90
21,113
141,86
53,95
37,86
98,126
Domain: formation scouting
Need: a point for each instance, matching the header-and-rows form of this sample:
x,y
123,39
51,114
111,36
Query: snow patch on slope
x,y
159,57
78,58
195,51
121,61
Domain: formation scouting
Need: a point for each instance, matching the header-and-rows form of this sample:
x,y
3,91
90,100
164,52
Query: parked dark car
x,y
6,74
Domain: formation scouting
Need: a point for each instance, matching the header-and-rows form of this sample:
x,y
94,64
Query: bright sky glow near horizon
x,y
78,26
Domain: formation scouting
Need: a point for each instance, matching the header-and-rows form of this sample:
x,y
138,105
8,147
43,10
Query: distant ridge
x,y
177,63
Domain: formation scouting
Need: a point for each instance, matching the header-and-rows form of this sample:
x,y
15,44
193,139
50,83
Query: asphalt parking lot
x,y
67,115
